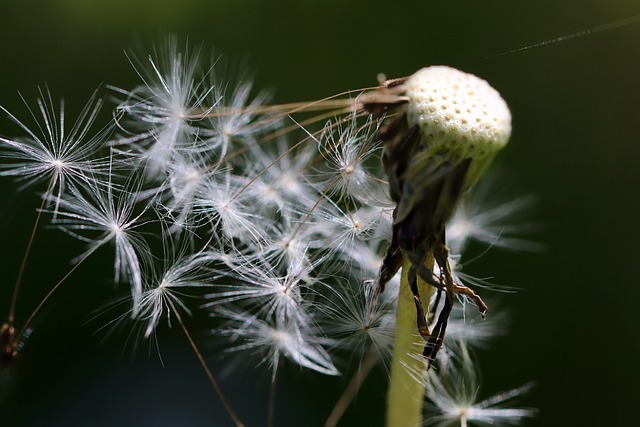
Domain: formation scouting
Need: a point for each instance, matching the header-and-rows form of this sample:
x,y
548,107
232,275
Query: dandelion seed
x,y
162,110
229,210
346,231
111,212
491,225
258,285
347,149
471,331
236,120
293,341
452,396
357,325
187,179
170,286
287,245
54,153
281,178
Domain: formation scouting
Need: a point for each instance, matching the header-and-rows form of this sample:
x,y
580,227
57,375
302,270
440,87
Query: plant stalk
x,y
408,367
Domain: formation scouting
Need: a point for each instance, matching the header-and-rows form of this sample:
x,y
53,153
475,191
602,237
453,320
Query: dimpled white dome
x,y
458,113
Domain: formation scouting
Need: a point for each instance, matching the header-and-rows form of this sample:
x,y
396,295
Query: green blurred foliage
x,y
575,145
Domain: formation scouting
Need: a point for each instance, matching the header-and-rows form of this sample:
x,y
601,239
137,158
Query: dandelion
x,y
455,125
296,245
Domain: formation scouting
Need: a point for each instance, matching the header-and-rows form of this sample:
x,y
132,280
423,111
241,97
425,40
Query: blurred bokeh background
x,y
574,326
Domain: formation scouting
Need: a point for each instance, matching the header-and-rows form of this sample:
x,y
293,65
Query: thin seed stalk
x,y
406,388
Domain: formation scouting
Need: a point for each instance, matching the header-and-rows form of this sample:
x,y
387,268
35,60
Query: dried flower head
x,y
458,114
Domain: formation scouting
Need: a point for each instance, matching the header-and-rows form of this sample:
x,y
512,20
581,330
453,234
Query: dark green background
x,y
575,144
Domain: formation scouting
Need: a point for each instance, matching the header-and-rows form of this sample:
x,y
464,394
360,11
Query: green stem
x,y
408,367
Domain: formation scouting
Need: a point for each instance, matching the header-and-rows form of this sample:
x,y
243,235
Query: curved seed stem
x,y
352,388
212,379
16,288
272,400
57,285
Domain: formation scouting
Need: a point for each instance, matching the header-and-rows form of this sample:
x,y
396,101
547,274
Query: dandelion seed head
x,y
458,113
449,104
